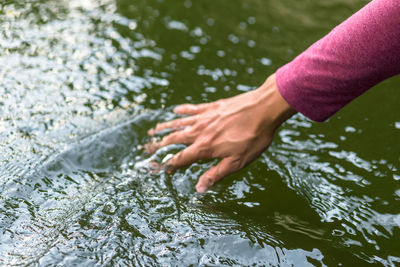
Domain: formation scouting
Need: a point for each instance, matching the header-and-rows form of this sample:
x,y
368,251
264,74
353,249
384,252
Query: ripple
x,y
82,81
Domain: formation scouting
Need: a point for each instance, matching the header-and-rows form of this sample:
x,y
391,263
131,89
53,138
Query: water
x,y
82,81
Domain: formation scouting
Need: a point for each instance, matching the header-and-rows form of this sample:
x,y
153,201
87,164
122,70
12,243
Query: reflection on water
x,y
82,81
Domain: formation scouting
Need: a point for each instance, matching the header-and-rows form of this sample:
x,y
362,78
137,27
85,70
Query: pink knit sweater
x,y
356,55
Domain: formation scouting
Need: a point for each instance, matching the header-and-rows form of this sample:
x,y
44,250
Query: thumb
x,y
216,173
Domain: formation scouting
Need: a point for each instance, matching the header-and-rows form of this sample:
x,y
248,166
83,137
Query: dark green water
x,y
81,81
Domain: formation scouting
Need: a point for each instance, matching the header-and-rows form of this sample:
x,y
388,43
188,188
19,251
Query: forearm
x,y
356,55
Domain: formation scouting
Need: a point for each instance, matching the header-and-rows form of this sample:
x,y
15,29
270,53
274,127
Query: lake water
x,y
81,82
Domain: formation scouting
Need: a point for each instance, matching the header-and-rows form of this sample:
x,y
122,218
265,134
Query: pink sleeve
x,y
356,55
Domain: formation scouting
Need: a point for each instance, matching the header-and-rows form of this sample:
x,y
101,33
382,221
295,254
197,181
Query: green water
x,y
81,82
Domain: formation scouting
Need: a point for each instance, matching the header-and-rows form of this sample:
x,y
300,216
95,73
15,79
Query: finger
x,y
216,173
151,148
191,109
181,137
175,124
188,156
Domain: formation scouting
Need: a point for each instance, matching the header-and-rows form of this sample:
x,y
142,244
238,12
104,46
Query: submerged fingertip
x,y
201,189
169,169
154,167
151,148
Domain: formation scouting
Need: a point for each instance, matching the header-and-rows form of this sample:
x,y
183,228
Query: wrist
x,y
274,107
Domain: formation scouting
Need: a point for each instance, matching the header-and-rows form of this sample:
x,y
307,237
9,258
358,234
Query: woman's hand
x,y
236,130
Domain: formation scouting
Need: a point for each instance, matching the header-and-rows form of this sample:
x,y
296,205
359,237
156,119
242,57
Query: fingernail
x,y
178,109
201,189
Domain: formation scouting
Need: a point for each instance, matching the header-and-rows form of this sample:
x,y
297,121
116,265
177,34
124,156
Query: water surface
x,y
81,82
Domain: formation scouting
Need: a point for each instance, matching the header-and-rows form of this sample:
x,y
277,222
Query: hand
x,y
236,130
